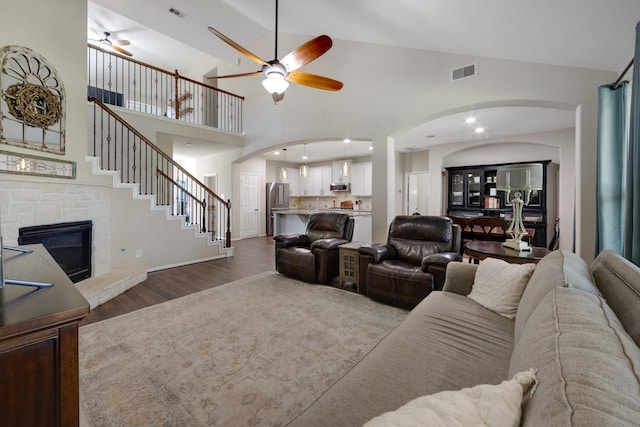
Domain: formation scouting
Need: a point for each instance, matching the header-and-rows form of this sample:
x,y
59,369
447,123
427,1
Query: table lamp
x,y
520,180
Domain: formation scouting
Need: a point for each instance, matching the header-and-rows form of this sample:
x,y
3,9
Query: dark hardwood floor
x,y
251,256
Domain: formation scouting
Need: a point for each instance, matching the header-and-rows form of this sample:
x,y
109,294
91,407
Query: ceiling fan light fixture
x,y
275,83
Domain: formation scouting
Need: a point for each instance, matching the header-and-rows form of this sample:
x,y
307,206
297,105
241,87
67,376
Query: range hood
x,y
340,186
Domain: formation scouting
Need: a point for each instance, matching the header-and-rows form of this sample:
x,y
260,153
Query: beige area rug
x,y
255,352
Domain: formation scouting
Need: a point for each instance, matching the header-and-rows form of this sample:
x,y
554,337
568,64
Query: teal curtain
x,y
618,166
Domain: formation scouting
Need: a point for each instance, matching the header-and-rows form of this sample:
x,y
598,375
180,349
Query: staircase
x,y
138,166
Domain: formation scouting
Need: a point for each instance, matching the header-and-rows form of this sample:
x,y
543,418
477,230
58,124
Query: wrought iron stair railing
x,y
124,82
122,148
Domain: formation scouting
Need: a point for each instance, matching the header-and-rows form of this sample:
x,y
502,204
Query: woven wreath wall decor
x,y
35,105
33,97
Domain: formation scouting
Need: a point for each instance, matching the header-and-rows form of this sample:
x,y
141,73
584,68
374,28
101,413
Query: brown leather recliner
x,y
412,263
314,256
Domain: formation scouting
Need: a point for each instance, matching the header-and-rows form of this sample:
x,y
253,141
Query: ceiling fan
x,y
279,72
113,44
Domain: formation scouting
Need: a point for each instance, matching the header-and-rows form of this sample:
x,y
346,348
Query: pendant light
x,y
304,169
344,170
284,175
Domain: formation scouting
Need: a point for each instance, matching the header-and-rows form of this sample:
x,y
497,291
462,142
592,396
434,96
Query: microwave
x,y
340,186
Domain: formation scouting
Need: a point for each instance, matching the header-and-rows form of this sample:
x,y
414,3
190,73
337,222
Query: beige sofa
x,y
578,326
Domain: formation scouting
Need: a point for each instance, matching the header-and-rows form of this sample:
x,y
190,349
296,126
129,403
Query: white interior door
x,y
248,205
417,192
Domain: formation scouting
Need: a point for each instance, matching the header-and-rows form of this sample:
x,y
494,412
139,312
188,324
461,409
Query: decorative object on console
x,y
33,101
519,179
4,281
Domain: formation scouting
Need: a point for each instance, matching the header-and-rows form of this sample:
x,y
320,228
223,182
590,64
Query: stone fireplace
x,y
69,243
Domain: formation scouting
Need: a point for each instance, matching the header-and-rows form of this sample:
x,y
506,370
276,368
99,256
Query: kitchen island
x,y
294,221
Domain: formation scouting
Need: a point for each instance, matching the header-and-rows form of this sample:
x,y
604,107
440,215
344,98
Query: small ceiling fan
x,y
279,72
113,44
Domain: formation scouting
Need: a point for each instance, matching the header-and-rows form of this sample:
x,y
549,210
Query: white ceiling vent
x,y
176,12
464,72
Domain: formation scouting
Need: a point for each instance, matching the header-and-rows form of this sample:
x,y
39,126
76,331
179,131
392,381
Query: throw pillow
x,y
499,285
482,405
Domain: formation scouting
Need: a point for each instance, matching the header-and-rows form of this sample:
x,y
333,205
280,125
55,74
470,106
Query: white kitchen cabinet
x,y
327,177
304,185
319,181
361,179
294,182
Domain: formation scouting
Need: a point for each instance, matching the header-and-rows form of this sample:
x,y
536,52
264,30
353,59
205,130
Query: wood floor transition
x,y
251,256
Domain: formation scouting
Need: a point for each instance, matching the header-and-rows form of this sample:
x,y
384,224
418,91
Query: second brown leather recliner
x,y
412,263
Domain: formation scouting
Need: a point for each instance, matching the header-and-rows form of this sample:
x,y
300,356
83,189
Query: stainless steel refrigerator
x,y
277,198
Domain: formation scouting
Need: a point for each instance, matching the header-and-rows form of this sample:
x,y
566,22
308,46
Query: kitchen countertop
x,y
296,211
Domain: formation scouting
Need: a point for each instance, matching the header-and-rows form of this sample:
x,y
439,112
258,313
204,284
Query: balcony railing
x,y
121,81
122,148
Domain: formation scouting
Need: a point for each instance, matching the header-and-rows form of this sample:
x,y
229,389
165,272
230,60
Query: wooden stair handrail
x,y
187,192
225,203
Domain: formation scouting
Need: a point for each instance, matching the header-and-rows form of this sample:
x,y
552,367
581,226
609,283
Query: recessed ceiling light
x,y
276,153
304,157
346,140
470,120
479,130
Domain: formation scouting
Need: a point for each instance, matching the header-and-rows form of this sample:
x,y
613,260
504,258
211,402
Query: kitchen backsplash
x,y
329,202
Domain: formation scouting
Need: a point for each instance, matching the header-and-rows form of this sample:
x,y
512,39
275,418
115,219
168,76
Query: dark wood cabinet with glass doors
x,y
472,191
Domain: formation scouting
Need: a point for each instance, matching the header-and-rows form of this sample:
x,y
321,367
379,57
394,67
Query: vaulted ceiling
x,y
595,34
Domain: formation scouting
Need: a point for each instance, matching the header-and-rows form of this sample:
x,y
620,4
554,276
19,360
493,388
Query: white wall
x,y
409,87
27,200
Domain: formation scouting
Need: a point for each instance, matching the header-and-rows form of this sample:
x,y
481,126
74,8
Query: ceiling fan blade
x,y
237,47
121,50
121,42
307,52
253,73
314,80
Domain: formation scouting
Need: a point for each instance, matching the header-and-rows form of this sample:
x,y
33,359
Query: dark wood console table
x,y
481,249
39,343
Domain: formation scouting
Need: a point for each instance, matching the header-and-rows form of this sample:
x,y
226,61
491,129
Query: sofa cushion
x,y
447,342
618,280
559,268
483,405
498,285
459,277
588,368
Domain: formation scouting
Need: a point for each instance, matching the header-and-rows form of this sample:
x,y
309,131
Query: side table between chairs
x,y
349,264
